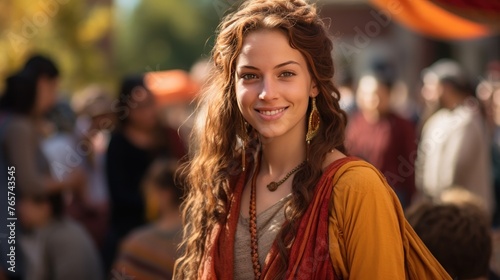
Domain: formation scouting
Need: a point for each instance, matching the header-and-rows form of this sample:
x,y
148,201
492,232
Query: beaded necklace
x,y
254,246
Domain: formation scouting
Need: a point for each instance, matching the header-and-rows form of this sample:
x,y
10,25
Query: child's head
x,y
457,235
162,193
36,210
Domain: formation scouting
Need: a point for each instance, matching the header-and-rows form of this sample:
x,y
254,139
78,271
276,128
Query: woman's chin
x,y
269,135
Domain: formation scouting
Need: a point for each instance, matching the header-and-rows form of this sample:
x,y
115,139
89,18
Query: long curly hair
x,y
215,152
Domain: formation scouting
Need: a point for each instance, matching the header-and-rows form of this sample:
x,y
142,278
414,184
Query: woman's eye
x,y
287,74
248,76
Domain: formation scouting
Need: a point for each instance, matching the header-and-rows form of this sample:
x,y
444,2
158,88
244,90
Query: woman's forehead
x,y
269,48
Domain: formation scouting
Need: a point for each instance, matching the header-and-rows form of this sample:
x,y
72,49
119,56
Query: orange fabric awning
x,y
485,12
431,20
171,86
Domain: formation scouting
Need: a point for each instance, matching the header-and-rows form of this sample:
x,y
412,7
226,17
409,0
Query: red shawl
x,y
309,255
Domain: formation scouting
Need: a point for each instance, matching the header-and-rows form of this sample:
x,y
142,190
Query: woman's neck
x,y
282,154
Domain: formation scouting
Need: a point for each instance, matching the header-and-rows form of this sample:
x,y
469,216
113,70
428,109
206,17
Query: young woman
x,y
28,96
271,194
137,140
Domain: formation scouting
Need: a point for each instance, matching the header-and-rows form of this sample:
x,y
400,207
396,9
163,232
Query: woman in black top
x,y
136,142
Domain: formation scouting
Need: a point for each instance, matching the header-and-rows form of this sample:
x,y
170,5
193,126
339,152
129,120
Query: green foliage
x,y
69,31
94,41
165,34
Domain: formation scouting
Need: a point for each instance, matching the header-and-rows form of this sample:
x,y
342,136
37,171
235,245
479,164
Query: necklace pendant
x,y
272,186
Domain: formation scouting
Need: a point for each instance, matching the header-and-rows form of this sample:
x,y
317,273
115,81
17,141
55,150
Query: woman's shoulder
x,y
331,158
359,176
19,126
359,188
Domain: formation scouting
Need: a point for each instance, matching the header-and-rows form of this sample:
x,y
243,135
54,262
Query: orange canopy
x,y
431,20
171,86
485,12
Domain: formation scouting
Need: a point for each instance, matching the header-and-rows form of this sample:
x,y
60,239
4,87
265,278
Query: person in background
x,y
137,140
380,136
458,235
29,95
54,246
150,252
454,148
94,124
347,97
488,93
428,100
61,147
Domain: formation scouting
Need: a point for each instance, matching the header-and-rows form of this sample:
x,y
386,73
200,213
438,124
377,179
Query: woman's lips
x,y
271,113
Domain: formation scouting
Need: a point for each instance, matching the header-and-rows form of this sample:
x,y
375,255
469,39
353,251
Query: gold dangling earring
x,y
244,139
313,125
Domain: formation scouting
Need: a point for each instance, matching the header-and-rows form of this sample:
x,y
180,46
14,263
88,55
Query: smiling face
x,y
273,85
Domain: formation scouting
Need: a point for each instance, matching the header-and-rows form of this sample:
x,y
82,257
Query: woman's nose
x,y
268,91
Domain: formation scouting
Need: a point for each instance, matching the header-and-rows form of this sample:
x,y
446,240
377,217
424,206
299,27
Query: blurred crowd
x,y
95,191
96,195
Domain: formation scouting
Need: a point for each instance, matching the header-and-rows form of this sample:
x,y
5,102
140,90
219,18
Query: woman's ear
x,y
314,90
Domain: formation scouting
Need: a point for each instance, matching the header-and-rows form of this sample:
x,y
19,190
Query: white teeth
x,y
271,113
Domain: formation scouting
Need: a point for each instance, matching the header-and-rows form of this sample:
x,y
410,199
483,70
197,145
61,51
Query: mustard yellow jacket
x,y
369,237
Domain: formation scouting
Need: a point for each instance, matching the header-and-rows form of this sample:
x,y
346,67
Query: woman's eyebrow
x,y
286,63
275,67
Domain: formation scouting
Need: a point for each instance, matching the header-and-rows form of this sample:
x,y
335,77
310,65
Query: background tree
x,y
99,41
163,35
75,33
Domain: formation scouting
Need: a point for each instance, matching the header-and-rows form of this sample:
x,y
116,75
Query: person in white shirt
x,y
454,146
